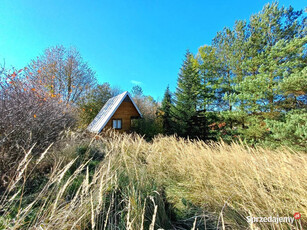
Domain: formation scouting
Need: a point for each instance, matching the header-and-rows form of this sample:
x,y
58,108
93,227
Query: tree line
x,y
251,82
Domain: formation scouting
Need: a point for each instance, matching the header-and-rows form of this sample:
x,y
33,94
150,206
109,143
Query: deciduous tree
x,y
62,71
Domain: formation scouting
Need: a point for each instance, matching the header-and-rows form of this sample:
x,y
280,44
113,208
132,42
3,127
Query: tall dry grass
x,y
169,183
233,181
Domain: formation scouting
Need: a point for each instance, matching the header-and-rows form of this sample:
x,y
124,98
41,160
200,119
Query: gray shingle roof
x,y
107,112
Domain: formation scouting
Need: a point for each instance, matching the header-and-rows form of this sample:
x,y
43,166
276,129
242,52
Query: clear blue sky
x,y
125,42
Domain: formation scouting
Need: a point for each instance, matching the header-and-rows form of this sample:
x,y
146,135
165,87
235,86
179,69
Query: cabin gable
x,y
116,113
125,112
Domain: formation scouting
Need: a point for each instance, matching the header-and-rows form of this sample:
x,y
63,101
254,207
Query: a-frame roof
x,y
108,111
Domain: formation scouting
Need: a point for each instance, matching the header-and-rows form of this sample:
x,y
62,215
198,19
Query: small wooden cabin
x,y
117,113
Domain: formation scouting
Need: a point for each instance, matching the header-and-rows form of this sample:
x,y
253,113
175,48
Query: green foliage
x,y
290,130
166,113
90,105
209,66
187,101
150,124
137,90
147,127
251,74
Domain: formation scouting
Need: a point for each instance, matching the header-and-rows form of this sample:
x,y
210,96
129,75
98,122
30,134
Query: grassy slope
x,y
169,183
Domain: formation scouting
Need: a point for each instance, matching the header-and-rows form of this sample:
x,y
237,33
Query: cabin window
x,y
117,123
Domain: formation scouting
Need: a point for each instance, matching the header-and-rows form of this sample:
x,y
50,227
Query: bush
x,y
151,124
147,127
28,117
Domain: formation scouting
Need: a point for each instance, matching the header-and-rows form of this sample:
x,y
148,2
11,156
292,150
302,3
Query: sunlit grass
x,y
169,183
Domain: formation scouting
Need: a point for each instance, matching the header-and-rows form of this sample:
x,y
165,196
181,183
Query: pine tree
x,y
252,74
266,58
295,90
187,98
209,66
273,51
293,84
289,130
166,113
223,43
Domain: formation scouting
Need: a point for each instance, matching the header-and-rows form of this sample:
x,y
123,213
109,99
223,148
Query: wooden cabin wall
x,y
125,111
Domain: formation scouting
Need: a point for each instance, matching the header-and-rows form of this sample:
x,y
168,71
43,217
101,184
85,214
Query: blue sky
x,y
126,42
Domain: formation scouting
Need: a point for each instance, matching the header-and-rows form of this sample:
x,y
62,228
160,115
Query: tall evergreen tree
x,y
209,66
187,98
271,56
166,112
223,43
256,70
267,61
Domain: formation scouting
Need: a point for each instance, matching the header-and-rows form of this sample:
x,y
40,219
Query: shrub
x,y
147,127
28,117
151,124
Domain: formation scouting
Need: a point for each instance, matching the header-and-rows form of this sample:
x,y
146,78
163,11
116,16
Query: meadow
x,y
121,181
226,145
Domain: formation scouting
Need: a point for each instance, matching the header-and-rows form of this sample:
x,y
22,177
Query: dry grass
x,y
239,180
169,183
